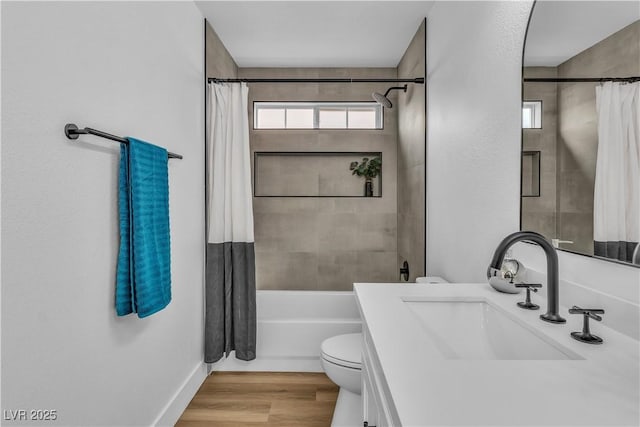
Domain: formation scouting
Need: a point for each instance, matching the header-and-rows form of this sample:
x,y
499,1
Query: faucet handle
x,y
527,304
585,335
529,286
590,312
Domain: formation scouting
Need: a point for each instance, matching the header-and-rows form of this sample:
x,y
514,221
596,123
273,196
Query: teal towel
x,y
143,282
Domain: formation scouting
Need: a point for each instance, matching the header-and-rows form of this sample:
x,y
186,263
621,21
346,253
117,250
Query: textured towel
x,y
143,283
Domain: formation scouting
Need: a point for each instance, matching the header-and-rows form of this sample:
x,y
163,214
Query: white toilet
x,y
341,358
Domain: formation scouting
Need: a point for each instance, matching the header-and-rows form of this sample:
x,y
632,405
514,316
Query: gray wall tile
x,y
411,159
376,267
219,62
323,237
539,213
286,270
337,270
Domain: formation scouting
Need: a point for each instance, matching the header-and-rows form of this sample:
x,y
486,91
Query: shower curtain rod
x,y
417,80
72,132
582,80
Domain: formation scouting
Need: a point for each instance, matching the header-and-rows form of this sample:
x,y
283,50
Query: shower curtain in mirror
x,y
616,212
230,290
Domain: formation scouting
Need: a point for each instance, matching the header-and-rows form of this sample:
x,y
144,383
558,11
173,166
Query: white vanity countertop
x,y
429,390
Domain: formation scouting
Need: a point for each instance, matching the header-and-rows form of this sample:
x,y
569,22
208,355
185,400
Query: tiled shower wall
x,y
218,61
539,213
411,158
568,140
616,56
325,243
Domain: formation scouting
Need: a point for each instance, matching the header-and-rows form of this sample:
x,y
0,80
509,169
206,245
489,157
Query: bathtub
x,y
291,327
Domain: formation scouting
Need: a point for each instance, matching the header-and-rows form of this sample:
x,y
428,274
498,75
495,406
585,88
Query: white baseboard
x,y
273,364
179,401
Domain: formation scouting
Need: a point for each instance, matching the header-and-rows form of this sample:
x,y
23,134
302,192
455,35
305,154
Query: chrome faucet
x,y
552,268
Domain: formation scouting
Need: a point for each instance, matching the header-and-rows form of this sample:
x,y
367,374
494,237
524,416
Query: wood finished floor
x,y
266,399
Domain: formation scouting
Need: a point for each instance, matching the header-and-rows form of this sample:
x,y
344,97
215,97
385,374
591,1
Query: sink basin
x,y
476,329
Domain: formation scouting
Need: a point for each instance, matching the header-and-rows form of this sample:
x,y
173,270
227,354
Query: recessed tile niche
x,y
311,174
531,174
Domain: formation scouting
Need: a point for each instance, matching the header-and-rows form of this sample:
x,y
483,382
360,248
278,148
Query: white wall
x,y
129,69
474,58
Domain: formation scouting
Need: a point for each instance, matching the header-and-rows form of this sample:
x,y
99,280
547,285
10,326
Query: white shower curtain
x,y
616,212
230,265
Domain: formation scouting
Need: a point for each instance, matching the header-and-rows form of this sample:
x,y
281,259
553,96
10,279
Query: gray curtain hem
x,y
621,250
230,309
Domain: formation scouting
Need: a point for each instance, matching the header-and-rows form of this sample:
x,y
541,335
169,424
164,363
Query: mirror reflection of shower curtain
x,y
616,211
230,289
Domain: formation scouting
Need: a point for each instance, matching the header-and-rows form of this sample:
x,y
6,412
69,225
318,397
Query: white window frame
x,y
535,106
317,106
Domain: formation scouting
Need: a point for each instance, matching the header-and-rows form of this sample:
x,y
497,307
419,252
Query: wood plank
x,y
268,394
265,387
262,399
327,394
301,412
238,411
314,378
213,402
236,424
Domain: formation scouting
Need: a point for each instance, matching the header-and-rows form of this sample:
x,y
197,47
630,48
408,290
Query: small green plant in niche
x,y
369,169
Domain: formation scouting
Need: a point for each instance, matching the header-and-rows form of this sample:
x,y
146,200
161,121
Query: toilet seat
x,y
343,350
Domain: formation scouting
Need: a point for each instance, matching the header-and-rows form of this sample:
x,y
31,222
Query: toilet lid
x,y
344,350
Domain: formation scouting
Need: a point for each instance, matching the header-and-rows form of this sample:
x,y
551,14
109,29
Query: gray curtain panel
x,y
622,251
231,301
230,290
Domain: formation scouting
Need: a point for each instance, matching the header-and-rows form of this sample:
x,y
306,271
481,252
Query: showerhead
x,y
383,100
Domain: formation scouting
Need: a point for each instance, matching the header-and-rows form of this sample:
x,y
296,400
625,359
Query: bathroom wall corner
x,y
412,158
219,62
172,411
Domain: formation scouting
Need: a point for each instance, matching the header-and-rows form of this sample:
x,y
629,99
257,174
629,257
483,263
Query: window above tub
x,y
317,115
532,114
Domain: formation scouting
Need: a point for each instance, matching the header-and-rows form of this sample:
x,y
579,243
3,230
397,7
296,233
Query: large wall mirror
x,y
581,127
